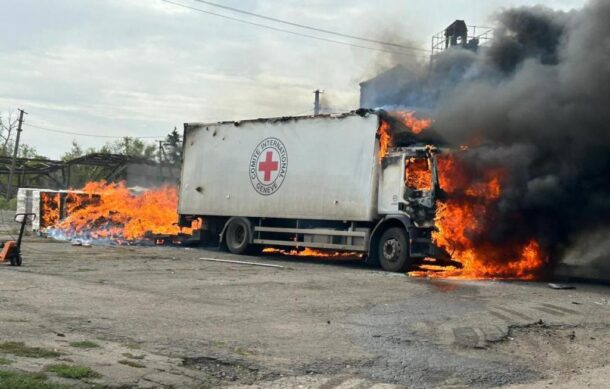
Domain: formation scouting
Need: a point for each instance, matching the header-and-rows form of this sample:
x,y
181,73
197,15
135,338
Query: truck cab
x,y
408,190
408,184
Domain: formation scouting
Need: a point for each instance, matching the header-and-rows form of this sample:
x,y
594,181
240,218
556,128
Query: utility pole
x,y
316,103
160,154
15,152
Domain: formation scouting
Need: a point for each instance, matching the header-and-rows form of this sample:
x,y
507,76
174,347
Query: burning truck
x,y
374,184
524,189
362,182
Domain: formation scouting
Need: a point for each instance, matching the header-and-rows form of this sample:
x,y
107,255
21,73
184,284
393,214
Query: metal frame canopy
x,y
36,168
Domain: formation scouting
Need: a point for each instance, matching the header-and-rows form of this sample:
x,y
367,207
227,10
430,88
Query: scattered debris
x,y
218,371
242,262
132,356
131,363
561,286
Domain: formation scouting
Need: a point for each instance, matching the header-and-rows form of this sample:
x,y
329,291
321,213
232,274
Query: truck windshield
x,y
418,174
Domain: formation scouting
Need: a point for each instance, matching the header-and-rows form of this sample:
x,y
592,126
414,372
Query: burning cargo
x,y
106,213
325,182
50,206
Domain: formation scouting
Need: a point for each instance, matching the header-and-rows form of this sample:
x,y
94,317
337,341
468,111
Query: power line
x,y
309,27
284,30
90,135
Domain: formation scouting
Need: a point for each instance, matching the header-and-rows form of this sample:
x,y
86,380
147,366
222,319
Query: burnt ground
x,y
162,317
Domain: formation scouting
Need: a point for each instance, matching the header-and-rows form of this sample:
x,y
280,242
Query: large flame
x,y
418,174
464,217
385,139
113,212
50,202
408,119
462,220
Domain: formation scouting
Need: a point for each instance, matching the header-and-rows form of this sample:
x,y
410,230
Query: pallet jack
x,y
11,250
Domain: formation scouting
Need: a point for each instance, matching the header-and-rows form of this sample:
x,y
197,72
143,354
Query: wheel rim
x,y
239,235
391,249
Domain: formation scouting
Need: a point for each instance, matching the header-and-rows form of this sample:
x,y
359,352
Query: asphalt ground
x,y
164,317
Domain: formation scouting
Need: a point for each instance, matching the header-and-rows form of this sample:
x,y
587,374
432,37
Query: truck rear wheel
x,y
393,251
238,236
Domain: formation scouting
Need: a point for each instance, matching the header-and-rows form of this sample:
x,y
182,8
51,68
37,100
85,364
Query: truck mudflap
x,y
422,246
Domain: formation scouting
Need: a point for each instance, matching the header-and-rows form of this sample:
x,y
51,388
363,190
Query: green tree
x,y
75,152
173,147
26,151
133,147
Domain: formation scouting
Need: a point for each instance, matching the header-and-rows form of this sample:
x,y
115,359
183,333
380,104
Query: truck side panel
x,y
305,168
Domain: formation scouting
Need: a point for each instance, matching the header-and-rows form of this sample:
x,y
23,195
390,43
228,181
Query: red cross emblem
x,y
268,166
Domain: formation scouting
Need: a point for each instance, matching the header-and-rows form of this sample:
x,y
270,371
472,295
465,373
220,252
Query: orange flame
x,y
418,174
307,252
112,211
463,217
385,139
408,119
50,203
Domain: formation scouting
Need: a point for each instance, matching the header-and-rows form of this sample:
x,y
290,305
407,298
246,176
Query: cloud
x,y
137,67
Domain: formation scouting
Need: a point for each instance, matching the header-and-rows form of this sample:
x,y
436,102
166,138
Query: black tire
x,y
393,250
237,236
15,260
372,259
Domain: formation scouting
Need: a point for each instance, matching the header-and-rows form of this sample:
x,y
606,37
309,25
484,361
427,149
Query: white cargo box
x,y
322,167
28,201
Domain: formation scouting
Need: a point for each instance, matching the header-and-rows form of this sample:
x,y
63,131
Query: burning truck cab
x,y
408,190
358,182
412,171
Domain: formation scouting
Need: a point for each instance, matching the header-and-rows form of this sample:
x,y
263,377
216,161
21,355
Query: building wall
x,y
387,88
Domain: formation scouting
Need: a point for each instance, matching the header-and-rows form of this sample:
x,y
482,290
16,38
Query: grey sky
x,y
141,67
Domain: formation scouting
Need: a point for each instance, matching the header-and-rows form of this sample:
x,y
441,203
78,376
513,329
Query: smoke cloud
x,y
536,102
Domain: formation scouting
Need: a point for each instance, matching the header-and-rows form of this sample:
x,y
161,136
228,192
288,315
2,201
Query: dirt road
x,y
162,317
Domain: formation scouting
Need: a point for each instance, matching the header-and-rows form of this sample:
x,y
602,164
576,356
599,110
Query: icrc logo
x,y
268,166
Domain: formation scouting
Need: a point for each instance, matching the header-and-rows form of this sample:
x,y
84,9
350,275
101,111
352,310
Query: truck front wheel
x,y
394,250
238,236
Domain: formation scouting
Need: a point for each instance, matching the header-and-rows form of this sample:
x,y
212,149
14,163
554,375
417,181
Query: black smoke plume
x,y
537,103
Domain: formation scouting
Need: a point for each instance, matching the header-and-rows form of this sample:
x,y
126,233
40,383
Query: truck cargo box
x,y
322,167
